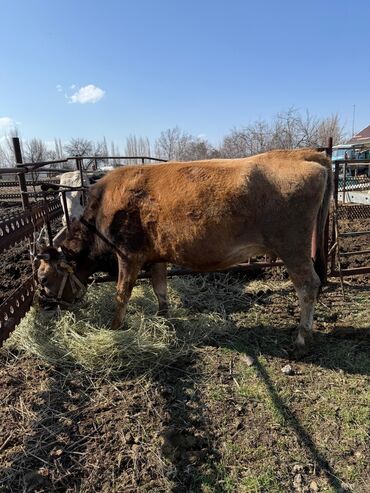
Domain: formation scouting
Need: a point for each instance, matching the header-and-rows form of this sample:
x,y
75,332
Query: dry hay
x,y
82,335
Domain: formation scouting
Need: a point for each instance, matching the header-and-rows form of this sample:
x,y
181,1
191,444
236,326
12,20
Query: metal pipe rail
x,y
21,226
355,162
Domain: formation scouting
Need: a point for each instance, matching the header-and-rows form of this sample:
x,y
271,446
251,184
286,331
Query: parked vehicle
x,y
344,152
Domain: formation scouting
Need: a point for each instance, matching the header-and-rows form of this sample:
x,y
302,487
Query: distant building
x,y
357,148
362,138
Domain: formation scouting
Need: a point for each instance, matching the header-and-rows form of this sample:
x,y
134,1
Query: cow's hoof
x,y
301,345
298,352
162,310
120,327
116,324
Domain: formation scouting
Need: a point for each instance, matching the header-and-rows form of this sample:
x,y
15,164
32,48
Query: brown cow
x,y
205,215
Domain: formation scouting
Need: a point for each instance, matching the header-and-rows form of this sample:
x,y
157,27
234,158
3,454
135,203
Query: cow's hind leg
x,y
306,283
127,275
158,274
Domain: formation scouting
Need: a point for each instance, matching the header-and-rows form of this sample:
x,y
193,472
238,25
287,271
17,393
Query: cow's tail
x,y
320,261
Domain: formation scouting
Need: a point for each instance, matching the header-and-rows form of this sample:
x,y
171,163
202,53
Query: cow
x,y
74,200
73,206
204,215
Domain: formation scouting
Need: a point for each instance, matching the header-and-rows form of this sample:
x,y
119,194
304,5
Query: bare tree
x,y
137,146
234,145
288,130
58,149
175,144
198,149
247,141
172,144
79,147
292,129
104,147
114,153
82,147
35,151
330,127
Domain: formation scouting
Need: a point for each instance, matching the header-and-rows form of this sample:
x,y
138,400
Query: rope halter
x,y
78,289
67,270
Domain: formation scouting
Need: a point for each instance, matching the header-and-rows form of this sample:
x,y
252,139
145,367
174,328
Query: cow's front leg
x,y
127,274
158,274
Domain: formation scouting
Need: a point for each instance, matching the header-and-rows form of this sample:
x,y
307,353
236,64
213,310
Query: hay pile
x,y
82,335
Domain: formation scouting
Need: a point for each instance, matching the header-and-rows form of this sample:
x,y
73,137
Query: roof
x,y
362,137
343,146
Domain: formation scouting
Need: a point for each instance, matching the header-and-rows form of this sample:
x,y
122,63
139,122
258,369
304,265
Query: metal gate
x,y
350,219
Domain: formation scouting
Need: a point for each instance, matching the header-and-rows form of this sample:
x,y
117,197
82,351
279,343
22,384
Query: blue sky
x,y
204,65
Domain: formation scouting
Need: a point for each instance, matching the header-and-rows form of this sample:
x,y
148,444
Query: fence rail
x,y
12,184
21,226
15,308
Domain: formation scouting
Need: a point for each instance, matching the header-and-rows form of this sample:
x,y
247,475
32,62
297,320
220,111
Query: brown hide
x,y
210,215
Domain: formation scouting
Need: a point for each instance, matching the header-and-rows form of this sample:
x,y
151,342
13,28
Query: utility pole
x,y
353,120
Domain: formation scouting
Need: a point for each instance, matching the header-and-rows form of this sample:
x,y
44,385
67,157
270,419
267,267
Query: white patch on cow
x,y
73,199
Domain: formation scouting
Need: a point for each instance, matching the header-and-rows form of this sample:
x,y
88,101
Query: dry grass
x,y
82,335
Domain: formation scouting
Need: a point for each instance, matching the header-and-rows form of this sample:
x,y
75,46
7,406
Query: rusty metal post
x,y
333,231
47,219
329,149
21,177
80,168
329,154
344,182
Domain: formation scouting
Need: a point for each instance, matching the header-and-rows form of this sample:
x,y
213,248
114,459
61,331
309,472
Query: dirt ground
x,y
209,422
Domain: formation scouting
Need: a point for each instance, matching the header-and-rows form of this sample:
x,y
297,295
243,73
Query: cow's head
x,y
56,276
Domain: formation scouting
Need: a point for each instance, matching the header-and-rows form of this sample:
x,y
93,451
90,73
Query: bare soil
x,y
211,422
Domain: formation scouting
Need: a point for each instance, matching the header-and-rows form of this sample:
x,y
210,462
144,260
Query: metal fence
x,y
350,218
39,209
